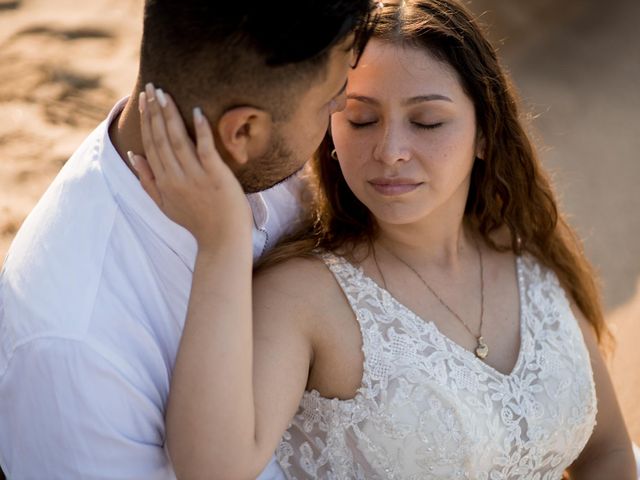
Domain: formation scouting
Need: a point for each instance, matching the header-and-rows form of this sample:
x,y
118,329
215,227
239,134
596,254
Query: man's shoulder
x,y
56,257
77,199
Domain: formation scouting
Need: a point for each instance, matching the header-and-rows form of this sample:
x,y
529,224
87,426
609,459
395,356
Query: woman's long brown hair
x,y
509,187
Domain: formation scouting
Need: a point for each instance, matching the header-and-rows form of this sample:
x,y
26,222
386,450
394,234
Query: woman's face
x,y
406,140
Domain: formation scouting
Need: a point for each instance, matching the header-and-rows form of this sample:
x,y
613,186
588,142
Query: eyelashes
x,y
420,126
358,125
429,126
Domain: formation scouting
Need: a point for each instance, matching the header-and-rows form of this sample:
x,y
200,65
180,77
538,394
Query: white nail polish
x,y
197,115
162,99
142,100
132,158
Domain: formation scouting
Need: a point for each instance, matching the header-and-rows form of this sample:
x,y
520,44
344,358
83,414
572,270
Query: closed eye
x,y
361,124
430,126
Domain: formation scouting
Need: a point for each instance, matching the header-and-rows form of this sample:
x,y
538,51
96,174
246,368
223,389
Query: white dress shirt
x,y
93,297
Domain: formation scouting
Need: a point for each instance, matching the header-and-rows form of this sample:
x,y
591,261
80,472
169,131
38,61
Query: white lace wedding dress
x,y
429,409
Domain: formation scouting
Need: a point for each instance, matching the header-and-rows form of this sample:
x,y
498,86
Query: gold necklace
x,y
482,349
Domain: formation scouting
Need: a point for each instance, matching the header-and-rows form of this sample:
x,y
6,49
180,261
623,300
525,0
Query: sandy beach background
x,y
64,63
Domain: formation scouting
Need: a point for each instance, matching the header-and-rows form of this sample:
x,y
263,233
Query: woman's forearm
x,y
210,423
211,412
616,464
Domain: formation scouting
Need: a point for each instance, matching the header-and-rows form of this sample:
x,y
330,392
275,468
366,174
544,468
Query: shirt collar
x,y
127,189
259,209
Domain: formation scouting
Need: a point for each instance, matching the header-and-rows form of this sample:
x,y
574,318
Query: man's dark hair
x,y
221,54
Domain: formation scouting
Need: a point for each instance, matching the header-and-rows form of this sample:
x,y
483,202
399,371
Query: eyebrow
x,y
408,101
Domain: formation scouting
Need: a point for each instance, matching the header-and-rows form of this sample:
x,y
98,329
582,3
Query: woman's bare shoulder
x,y
298,284
291,272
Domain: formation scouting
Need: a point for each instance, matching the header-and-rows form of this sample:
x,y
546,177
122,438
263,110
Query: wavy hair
x,y
508,189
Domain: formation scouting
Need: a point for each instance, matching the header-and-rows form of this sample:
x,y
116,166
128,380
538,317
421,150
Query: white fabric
x,y
93,297
429,409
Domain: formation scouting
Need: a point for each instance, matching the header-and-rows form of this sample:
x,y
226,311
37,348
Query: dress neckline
x,y
456,346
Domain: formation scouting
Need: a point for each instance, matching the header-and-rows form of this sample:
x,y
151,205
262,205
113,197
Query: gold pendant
x,y
482,350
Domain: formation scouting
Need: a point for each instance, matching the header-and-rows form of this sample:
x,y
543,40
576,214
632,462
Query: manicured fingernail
x,y
142,99
132,158
162,99
197,115
151,93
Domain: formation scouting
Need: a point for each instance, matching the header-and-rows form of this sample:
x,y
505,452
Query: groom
x,y
95,286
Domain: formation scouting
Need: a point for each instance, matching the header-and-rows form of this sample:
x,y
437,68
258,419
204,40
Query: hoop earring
x,y
334,154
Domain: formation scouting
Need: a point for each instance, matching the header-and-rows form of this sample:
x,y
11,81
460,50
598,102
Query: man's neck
x,y
124,131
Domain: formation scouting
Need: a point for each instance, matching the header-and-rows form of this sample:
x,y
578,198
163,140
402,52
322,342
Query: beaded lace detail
x,y
429,409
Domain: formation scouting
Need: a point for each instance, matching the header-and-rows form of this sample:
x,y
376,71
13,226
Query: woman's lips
x,y
394,186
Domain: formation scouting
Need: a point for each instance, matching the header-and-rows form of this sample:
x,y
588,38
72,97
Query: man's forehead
x,y
341,54
347,43
334,75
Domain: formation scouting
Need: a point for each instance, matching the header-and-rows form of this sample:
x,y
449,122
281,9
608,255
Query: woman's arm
x,y
608,453
219,425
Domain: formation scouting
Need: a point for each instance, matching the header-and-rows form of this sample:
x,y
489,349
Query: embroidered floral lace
x,y
429,409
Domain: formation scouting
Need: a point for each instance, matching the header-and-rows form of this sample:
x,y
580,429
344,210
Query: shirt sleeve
x,y
67,412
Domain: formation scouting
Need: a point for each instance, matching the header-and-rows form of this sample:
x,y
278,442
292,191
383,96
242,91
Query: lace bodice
x,y
429,409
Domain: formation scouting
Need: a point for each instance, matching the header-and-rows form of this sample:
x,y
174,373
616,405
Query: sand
x,y
64,63
62,67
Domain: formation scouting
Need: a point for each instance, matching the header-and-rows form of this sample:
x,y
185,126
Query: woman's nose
x,y
392,146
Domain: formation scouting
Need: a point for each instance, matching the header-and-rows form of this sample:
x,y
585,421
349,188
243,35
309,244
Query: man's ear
x,y
245,132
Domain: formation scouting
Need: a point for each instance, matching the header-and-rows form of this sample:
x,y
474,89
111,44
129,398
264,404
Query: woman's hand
x,y
190,183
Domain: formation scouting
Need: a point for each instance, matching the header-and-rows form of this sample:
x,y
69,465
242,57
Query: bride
x,y
436,320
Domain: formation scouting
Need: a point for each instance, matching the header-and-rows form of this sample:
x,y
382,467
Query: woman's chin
x,y
399,218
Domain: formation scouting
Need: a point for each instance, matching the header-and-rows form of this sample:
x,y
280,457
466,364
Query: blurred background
x,y
576,64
